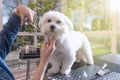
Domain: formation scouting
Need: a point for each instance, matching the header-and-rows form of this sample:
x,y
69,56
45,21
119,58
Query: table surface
x,y
79,68
78,74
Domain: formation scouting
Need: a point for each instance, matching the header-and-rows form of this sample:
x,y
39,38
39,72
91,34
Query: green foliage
x,y
93,8
73,4
101,24
42,6
27,28
70,7
100,51
22,41
100,45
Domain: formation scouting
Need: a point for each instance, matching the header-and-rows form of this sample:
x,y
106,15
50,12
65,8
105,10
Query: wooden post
x,y
63,5
81,20
114,29
35,32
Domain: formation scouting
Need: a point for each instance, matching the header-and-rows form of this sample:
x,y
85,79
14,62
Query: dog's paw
x,y
90,62
65,71
52,71
77,61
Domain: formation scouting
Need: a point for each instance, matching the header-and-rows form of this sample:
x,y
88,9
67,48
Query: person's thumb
x,y
22,19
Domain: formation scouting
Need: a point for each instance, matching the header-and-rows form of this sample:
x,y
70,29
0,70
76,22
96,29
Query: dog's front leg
x,y
67,63
55,68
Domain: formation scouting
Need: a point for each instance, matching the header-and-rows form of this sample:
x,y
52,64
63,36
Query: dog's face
x,y
55,24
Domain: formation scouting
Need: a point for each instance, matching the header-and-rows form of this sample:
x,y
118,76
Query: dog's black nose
x,y
52,27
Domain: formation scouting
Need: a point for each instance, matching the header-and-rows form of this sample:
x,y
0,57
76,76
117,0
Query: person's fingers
x,y
44,45
52,41
51,47
22,21
22,16
24,12
30,17
48,42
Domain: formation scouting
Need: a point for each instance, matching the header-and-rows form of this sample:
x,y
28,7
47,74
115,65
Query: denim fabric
x,y
4,75
7,37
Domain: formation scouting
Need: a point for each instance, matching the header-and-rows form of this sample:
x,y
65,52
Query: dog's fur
x,y
70,45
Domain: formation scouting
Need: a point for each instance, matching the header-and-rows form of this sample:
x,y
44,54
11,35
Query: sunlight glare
x,y
113,5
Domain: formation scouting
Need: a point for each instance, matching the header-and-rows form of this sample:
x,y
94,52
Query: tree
x,y
94,9
40,7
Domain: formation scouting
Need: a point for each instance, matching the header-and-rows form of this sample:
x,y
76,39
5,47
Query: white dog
x,y
69,43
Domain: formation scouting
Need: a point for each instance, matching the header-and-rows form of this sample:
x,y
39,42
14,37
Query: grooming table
x,y
77,74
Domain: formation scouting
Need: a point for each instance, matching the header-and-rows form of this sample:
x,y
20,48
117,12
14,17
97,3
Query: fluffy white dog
x,y
70,45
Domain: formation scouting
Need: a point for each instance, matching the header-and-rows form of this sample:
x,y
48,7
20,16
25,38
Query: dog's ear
x,y
68,22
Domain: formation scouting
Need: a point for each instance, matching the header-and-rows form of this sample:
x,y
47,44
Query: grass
x,y
100,51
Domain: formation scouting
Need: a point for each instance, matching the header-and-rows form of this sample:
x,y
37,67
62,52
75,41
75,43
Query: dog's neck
x,y
61,39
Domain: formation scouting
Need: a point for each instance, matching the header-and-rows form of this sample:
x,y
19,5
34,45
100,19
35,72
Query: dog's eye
x,y
58,22
49,20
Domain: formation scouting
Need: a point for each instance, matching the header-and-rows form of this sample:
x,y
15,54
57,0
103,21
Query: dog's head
x,y
55,24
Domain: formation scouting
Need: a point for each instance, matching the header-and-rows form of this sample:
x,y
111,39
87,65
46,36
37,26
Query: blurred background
x,y
99,20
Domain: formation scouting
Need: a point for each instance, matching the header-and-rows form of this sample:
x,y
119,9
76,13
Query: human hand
x,y
47,48
24,12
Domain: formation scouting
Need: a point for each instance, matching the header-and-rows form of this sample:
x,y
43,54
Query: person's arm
x,y
8,34
39,73
12,27
47,49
